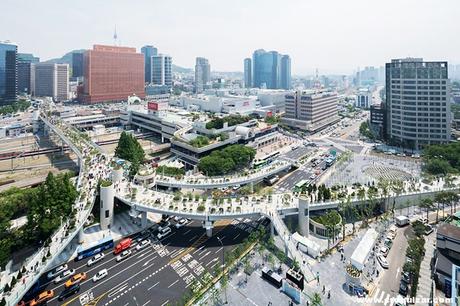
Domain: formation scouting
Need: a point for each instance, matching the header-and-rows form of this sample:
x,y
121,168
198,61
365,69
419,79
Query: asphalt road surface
x,y
161,273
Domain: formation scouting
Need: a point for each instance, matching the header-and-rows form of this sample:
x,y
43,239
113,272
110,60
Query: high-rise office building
x,y
50,80
270,71
310,110
77,64
417,102
8,72
25,61
202,74
148,52
247,72
285,72
112,74
162,70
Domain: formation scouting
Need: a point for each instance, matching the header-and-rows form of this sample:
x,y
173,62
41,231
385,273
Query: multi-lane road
x,y
161,273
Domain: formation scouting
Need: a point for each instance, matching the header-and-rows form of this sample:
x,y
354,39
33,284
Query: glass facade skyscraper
x,y
77,65
162,70
25,61
270,70
247,73
148,52
8,73
202,74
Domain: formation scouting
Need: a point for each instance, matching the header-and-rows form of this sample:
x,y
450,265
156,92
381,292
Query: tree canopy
x,y
442,159
20,105
130,149
224,161
218,123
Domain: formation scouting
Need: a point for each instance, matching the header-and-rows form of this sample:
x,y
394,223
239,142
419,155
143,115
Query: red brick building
x,y
112,74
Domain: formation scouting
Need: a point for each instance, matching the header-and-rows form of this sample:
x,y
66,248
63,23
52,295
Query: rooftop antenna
x,y
115,36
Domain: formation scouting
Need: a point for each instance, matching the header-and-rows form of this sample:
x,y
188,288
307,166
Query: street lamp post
x,y
223,265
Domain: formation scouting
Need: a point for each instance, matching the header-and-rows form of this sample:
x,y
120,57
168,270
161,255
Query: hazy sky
x,y
335,36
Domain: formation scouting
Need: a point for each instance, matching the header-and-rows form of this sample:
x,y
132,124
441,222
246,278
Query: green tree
x,y
427,204
315,299
130,149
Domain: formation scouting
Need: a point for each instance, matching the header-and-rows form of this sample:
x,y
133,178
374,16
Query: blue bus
x,y
101,245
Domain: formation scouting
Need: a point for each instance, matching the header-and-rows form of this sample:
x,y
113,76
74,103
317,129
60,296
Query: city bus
x,y
271,180
99,246
261,162
300,185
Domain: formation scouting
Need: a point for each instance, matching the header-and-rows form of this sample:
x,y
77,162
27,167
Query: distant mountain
x,y
179,69
66,59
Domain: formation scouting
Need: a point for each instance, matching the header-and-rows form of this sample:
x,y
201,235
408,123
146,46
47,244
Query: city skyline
x,y
226,33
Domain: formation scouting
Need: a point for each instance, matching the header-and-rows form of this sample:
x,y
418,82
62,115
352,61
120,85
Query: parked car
x,y
164,224
403,288
142,244
405,277
64,275
56,271
428,229
384,251
100,275
95,259
68,292
123,255
383,262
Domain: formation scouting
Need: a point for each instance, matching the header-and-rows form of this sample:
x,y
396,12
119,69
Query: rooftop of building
x,y
450,228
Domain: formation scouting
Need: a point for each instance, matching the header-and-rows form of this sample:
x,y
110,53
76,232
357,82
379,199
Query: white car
x,y
177,218
181,223
125,254
384,251
100,275
64,275
164,232
383,262
53,273
142,244
95,259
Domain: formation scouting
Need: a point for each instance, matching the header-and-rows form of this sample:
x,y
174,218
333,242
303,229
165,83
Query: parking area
x,y
161,272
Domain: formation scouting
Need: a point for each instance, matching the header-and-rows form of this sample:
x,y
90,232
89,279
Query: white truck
x,y
402,221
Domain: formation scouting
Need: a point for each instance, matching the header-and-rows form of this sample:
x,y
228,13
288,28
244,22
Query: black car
x,y
405,278
69,291
403,288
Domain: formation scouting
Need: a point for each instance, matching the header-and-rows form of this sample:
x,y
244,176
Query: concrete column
x,y
106,207
117,175
208,225
304,215
80,236
251,185
144,219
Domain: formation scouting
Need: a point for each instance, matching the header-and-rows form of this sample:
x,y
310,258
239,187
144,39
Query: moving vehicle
x,y
42,298
100,275
271,180
300,185
181,222
383,262
272,277
76,279
402,221
95,259
164,232
142,244
98,247
64,275
69,291
164,224
56,271
123,255
122,245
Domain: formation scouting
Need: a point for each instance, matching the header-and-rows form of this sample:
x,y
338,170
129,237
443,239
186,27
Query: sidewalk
x,y
425,281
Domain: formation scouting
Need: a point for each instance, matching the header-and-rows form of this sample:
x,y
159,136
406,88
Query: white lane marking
x,y
205,255
146,303
147,262
199,249
215,259
153,286
173,284
218,250
397,273
118,290
193,238
165,303
187,232
236,236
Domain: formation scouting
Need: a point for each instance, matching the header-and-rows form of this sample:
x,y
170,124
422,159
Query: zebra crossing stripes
x,y
383,298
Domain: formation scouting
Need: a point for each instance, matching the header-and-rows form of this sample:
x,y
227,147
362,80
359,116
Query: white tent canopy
x,y
364,248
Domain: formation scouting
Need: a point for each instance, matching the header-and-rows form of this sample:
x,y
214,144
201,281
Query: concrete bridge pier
x,y
144,219
106,206
304,216
80,236
208,225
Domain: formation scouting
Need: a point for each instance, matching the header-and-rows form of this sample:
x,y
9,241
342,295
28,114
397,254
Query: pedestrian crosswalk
x,y
380,297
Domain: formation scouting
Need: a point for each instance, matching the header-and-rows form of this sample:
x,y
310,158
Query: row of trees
x,y
365,130
415,251
224,161
442,159
45,207
130,149
20,105
170,171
